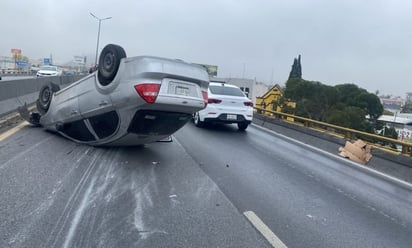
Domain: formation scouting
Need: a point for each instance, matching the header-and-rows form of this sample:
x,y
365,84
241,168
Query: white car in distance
x,y
49,71
227,104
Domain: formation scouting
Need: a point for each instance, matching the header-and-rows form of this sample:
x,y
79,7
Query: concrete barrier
x,y
15,93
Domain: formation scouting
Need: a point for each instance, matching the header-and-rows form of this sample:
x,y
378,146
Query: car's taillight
x,y
249,104
148,92
213,100
205,97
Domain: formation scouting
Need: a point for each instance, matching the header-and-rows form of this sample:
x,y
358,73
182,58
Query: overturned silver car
x,y
127,101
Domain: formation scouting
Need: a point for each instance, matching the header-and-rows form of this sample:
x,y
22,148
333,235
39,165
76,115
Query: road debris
x,y
359,151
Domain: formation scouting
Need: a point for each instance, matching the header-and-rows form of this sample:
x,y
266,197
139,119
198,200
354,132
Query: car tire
x,y
45,97
197,121
109,63
242,126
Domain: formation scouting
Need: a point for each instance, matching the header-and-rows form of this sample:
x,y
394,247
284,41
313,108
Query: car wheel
x,y
45,97
242,126
197,121
109,63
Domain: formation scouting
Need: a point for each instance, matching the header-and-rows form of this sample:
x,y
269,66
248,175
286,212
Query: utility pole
x,y
98,34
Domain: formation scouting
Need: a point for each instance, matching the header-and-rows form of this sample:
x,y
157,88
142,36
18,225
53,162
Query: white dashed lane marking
x,y
264,230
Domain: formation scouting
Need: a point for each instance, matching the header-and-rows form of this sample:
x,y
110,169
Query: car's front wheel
x,y
197,121
109,63
242,126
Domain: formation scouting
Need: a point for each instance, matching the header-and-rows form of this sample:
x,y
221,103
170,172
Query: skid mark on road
x,y
64,218
99,183
79,213
41,210
143,188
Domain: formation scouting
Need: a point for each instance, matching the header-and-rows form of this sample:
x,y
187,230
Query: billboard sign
x,y
79,60
15,51
21,63
46,61
394,104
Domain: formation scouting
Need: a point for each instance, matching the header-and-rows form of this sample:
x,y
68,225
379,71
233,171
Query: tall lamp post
x,y
98,33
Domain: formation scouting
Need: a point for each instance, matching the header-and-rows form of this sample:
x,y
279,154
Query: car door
x,y
93,101
97,110
65,105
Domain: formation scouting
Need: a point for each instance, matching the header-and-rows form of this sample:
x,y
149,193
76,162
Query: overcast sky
x,y
366,42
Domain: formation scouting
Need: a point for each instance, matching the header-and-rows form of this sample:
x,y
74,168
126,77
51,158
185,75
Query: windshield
x,y
48,68
224,90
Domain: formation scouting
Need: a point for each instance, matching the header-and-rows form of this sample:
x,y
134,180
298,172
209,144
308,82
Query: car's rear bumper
x,y
223,118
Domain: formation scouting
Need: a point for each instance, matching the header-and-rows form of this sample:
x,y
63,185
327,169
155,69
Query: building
x,y
6,63
402,125
392,104
250,87
408,97
273,100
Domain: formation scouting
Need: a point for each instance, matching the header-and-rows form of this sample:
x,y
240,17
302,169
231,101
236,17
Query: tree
x,y
349,116
20,57
313,99
352,95
296,71
344,105
371,104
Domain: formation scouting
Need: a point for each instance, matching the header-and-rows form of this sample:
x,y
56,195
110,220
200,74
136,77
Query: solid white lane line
x,y
12,131
264,230
354,164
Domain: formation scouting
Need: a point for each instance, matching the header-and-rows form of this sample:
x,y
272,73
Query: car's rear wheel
x,y
45,97
197,121
109,63
242,126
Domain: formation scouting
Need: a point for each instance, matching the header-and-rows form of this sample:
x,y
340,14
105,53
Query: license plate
x,y
181,90
231,117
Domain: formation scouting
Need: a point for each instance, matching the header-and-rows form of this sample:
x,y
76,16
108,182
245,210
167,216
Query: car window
x,y
105,124
48,68
78,131
223,90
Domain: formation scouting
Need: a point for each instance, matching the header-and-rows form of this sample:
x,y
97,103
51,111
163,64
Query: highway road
x,y
211,187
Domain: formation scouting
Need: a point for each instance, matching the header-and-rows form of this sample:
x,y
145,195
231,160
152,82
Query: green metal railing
x,y
346,132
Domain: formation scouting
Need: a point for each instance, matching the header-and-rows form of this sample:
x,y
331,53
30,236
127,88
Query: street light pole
x,y
98,34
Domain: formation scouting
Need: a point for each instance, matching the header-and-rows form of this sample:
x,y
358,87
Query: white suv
x,y
226,104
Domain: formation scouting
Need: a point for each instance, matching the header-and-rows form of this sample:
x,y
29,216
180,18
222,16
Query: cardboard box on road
x,y
359,151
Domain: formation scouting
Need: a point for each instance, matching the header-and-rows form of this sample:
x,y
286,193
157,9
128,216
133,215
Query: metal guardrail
x,y
16,73
346,132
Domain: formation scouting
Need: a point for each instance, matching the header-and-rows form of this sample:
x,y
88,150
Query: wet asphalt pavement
x,y
307,197
193,193
55,193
